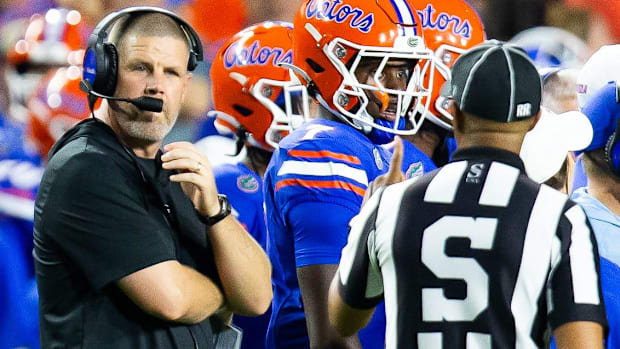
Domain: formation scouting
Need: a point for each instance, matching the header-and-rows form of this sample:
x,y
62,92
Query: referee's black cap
x,y
495,81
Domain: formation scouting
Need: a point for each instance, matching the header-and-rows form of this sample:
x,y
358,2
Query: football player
x,y
55,106
451,27
255,100
365,63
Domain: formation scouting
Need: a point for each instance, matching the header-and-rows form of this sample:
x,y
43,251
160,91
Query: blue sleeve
x,y
610,283
320,231
259,228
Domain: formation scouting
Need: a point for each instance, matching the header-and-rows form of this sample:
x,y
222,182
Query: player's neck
x,y
607,193
426,141
256,168
327,115
256,160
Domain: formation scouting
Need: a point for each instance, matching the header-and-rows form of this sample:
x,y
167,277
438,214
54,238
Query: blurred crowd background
x,y
591,23
42,43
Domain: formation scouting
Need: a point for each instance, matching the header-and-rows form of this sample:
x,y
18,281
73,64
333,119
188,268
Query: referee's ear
x,y
535,119
457,116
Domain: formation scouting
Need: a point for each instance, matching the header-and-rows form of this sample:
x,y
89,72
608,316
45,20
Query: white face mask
x,y
21,86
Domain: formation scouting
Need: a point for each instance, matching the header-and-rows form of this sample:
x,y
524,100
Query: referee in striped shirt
x,y
475,254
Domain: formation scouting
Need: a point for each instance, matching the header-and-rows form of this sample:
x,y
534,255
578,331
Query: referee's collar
x,y
489,153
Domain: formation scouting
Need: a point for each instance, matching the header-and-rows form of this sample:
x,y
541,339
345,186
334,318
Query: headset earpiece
x,y
612,148
193,62
107,83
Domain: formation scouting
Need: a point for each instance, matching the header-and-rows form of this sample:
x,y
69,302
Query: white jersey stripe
x,y
443,187
535,262
387,217
14,206
429,340
323,169
556,258
499,184
478,341
583,269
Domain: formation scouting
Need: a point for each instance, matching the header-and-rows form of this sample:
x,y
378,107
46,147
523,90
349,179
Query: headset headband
x,y
100,33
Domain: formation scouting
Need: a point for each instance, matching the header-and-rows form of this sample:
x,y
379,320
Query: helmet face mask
x,y
334,39
412,95
450,27
289,110
256,97
444,58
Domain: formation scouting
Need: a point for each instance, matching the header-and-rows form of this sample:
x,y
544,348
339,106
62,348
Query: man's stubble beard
x,y
147,131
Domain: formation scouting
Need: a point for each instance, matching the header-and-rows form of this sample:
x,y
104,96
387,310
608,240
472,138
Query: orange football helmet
x,y
451,27
56,38
330,39
55,106
251,90
49,40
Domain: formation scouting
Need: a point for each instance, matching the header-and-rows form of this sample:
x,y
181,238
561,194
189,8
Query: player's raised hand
x,y
394,174
194,175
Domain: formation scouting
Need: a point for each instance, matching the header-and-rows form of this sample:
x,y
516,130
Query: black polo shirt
x,y
102,214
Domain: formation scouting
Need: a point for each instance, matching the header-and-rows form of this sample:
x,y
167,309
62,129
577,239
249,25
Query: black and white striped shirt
x,y
472,255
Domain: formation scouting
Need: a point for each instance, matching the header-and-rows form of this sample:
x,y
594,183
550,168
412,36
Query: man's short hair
x,y
146,24
559,89
595,165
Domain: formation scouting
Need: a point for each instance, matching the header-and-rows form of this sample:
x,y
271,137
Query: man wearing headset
x,y
134,248
601,198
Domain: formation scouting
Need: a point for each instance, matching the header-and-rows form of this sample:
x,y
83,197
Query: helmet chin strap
x,y
353,123
364,127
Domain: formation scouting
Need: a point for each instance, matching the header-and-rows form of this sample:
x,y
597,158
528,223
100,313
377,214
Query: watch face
x,y
225,210
224,204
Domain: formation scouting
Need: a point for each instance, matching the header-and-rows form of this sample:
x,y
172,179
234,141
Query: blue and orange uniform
x,y
245,192
20,173
317,179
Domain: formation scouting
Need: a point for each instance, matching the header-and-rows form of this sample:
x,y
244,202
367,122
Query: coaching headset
x,y
101,58
612,148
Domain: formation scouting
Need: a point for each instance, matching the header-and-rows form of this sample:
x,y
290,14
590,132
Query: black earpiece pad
x,y
193,62
109,84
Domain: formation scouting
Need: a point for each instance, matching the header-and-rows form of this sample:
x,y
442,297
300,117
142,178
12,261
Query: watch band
x,y
225,210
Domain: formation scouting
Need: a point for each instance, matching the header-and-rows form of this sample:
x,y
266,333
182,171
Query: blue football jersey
x,y
610,284
21,170
20,174
317,179
245,193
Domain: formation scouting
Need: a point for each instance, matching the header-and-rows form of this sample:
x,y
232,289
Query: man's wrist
x,y
214,208
222,211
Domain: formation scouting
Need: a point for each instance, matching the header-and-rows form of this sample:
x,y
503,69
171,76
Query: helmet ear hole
x,y
242,110
315,66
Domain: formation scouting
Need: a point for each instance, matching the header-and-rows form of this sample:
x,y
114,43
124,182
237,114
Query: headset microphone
x,y
144,103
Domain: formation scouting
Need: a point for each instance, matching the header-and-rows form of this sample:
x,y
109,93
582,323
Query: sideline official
x,y
475,254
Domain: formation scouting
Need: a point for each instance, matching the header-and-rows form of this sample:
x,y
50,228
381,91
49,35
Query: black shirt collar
x,y
489,153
